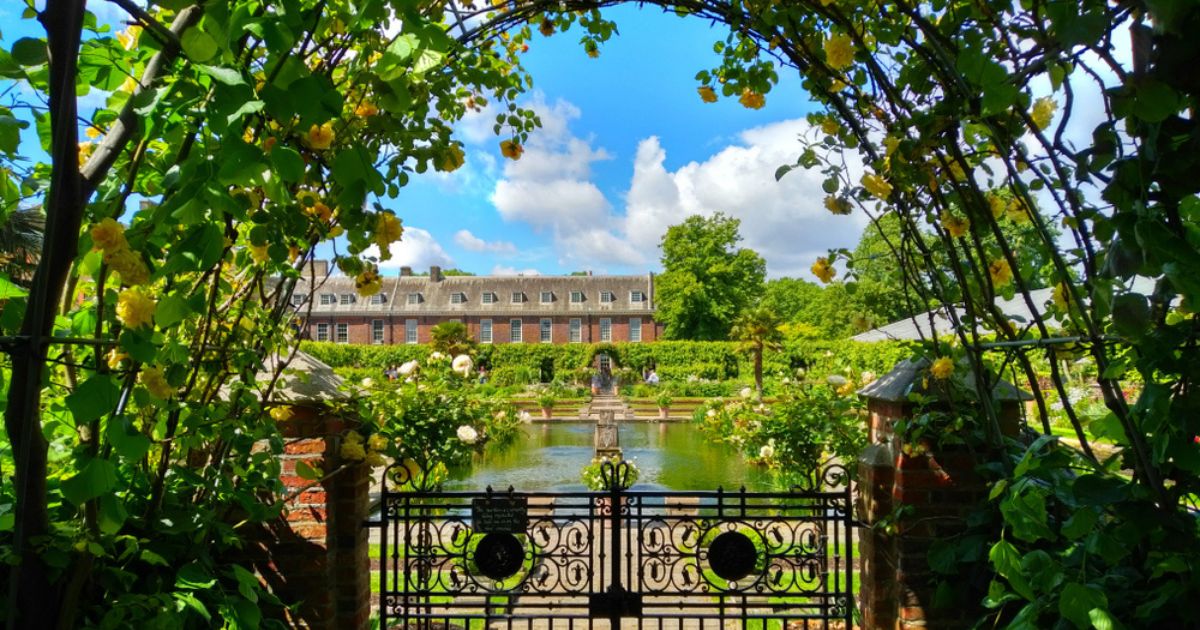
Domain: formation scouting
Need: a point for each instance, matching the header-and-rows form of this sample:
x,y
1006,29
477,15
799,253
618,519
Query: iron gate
x,y
686,560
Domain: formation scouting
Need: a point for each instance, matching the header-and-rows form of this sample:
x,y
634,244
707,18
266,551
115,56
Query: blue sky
x,y
627,149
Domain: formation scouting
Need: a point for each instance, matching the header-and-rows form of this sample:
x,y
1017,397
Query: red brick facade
x,y
392,328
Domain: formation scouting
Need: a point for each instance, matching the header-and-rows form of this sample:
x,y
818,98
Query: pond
x,y
671,456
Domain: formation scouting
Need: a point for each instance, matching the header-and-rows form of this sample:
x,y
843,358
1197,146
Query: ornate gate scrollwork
x,y
583,559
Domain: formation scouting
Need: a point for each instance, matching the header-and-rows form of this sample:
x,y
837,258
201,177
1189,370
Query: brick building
x,y
495,309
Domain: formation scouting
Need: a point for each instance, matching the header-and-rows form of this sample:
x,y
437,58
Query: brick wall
x,y
360,327
316,554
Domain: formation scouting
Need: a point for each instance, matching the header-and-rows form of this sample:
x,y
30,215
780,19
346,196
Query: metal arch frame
x,y
591,559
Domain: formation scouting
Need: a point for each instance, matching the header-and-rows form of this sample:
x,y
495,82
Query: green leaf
x,y
247,583
1077,601
126,440
1007,562
29,51
228,76
9,290
93,398
198,45
1025,512
171,310
112,514
288,163
97,478
192,576
190,601
1154,101
1131,314
304,471
1080,523
151,558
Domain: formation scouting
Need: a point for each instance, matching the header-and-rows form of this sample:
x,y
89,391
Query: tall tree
x,y
451,338
758,328
707,279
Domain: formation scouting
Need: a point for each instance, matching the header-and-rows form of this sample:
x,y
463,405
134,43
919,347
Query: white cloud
x,y
503,270
417,249
468,241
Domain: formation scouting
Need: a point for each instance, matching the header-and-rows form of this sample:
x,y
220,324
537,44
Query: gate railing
x,y
778,560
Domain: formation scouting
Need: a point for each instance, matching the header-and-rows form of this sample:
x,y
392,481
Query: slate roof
x,y
911,376
434,297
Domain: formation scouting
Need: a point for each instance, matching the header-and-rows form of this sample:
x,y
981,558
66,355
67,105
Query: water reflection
x,y
671,456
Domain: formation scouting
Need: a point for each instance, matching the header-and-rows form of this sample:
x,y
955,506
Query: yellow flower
x,y
377,442
592,50
837,86
752,99
353,451
388,229
837,205
877,185
839,51
336,231
374,459
320,211
115,358
308,198
823,270
108,235
942,368
1000,272
135,308
321,137
366,109
955,225
260,253
368,283
846,389
85,151
129,264
1043,112
997,205
451,159
890,143
511,149
92,132
1017,211
707,94
153,380
281,413
830,126
1061,296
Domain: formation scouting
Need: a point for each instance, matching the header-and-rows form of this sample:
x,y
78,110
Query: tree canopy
x,y
707,279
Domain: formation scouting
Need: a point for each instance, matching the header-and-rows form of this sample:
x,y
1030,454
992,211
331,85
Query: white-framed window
x,y
298,299
322,332
485,331
410,331
577,297
379,298
414,298
342,333
376,331
637,297
328,298
487,297
546,330
347,298
547,297
635,329
518,297
514,330
458,298
605,329
607,297
576,330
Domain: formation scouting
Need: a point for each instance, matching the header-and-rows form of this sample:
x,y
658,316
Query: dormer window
x,y
487,297
347,298
328,298
607,297
298,299
379,298
518,297
577,297
414,298
458,298
547,297
637,297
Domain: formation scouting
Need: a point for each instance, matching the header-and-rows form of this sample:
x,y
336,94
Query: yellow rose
x,y
129,264
108,235
153,380
281,413
942,368
511,149
377,442
135,308
877,185
1017,211
955,225
388,229
707,94
839,51
1000,272
374,460
837,205
450,160
823,270
830,126
890,143
260,253
752,99
115,358
997,205
353,451
1043,112
321,137
320,211
368,283
1061,296
366,109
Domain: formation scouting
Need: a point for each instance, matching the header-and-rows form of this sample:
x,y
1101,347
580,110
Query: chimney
x,y
320,268
405,272
435,273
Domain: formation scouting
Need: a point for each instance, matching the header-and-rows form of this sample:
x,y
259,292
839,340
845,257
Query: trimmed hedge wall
x,y
674,360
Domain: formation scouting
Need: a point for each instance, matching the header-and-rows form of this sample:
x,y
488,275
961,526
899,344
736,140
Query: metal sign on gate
x,y
770,560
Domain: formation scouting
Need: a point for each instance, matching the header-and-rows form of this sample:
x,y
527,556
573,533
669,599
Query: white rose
x,y
867,377
712,413
408,368
766,452
525,417
436,356
462,364
837,380
747,392
368,382
467,434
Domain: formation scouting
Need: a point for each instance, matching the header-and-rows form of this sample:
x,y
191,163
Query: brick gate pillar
x,y
938,489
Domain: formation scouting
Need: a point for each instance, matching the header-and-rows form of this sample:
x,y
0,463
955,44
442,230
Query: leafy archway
x,y
259,130
607,349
